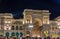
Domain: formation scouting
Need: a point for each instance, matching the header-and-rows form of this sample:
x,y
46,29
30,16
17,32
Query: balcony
x,y
13,30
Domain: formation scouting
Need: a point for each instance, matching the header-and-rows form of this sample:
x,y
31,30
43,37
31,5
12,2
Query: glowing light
x,y
59,27
7,22
58,24
5,28
9,28
38,36
30,26
34,35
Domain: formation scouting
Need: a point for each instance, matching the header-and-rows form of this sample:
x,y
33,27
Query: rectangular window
x,y
16,27
20,27
12,28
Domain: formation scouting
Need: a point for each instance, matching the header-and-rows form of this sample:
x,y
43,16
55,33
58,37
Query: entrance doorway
x,y
27,33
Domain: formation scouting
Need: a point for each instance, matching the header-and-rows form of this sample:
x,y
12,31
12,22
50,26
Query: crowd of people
x,y
31,38
36,38
40,38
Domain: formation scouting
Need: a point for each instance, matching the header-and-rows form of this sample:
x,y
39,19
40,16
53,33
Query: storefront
x,y
46,33
1,35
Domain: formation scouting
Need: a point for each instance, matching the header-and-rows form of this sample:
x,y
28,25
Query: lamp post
x,y
30,26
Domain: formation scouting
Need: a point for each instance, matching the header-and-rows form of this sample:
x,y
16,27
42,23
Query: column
x,y
48,32
42,34
14,27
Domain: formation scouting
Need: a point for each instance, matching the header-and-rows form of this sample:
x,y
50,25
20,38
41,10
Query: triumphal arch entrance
x,y
33,20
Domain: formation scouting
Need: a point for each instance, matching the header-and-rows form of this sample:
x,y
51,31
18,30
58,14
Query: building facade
x,y
33,24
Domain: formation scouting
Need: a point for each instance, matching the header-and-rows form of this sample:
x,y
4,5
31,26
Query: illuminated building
x,y
33,24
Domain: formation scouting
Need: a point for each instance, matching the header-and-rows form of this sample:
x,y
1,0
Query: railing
x,y
13,30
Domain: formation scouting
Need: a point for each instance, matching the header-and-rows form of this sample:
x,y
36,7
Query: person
x,y
20,37
36,37
40,38
48,37
23,38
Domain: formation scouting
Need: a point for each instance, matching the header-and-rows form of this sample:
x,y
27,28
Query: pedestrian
x,y
36,37
48,37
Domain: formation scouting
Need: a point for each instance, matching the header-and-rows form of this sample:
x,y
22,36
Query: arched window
x,y
17,34
7,34
12,34
16,27
12,28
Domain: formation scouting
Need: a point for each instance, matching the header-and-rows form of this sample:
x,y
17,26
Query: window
x,y
52,28
28,21
45,17
20,27
16,27
7,28
46,20
12,28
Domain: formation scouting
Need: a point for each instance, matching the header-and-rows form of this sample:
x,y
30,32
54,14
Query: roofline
x,y
36,10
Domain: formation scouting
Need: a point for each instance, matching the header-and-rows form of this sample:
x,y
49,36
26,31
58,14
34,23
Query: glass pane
x,y
20,27
12,28
16,27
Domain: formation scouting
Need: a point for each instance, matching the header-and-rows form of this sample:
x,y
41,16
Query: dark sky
x,y
16,7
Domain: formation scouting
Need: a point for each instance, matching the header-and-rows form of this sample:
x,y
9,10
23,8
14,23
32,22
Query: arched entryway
x,y
27,33
37,24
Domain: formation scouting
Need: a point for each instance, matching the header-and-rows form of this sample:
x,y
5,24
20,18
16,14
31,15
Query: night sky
x,y
16,7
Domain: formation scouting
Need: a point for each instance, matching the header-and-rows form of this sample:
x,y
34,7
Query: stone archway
x,y
38,21
27,33
37,24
